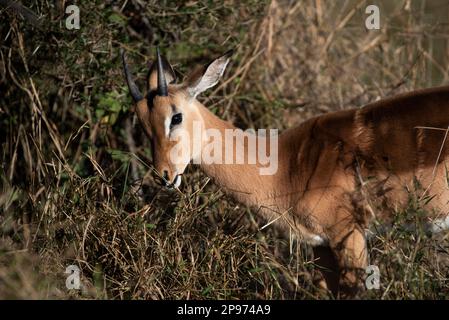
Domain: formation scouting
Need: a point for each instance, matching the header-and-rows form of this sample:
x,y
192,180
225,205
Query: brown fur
x,y
337,172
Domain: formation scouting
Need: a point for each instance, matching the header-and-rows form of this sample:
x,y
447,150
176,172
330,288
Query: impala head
x,y
168,110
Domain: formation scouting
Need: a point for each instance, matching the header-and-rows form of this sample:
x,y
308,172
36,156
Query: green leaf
x,y
119,155
150,226
117,19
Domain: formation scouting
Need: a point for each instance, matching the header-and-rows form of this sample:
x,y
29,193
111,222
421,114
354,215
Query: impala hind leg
x,y
352,257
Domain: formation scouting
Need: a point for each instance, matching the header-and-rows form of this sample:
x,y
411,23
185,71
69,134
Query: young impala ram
x,y
336,173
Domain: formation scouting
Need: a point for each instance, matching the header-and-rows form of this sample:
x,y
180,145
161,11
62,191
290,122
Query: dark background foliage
x,y
75,182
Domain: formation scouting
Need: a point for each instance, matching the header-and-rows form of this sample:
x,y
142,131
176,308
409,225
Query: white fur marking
x,y
177,182
316,241
439,225
167,126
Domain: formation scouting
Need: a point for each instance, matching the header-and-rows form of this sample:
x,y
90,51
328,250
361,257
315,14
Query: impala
x,y
336,173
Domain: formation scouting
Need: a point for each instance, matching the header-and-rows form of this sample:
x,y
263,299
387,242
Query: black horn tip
x,y
229,53
162,89
133,89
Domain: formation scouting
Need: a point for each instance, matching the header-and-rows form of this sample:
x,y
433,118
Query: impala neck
x,y
243,181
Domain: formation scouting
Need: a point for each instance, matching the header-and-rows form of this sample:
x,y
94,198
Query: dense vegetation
x,y
74,177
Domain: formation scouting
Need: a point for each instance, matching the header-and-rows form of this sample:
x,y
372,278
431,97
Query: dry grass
x,y
74,163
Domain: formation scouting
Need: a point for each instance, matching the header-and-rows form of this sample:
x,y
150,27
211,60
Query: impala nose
x,y
168,179
164,178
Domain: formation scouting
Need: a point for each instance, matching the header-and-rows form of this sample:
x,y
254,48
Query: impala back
x,y
378,158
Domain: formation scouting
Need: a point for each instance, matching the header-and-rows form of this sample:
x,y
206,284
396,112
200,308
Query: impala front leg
x,y
351,253
328,276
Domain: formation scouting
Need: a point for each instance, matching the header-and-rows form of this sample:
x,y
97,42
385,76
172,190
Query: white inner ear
x,y
167,122
211,77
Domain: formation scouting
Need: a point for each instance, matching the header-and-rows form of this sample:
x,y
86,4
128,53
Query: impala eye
x,y
176,119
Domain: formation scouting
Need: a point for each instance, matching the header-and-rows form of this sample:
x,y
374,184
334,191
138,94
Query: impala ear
x,y
207,76
170,75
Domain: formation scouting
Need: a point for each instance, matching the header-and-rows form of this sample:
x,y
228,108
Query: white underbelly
x,y
431,227
315,240
439,225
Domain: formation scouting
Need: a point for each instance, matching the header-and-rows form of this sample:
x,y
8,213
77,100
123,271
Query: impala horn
x,y
133,89
162,89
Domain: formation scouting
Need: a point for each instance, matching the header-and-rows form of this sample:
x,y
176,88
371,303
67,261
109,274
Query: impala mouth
x,y
173,185
177,181
164,182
